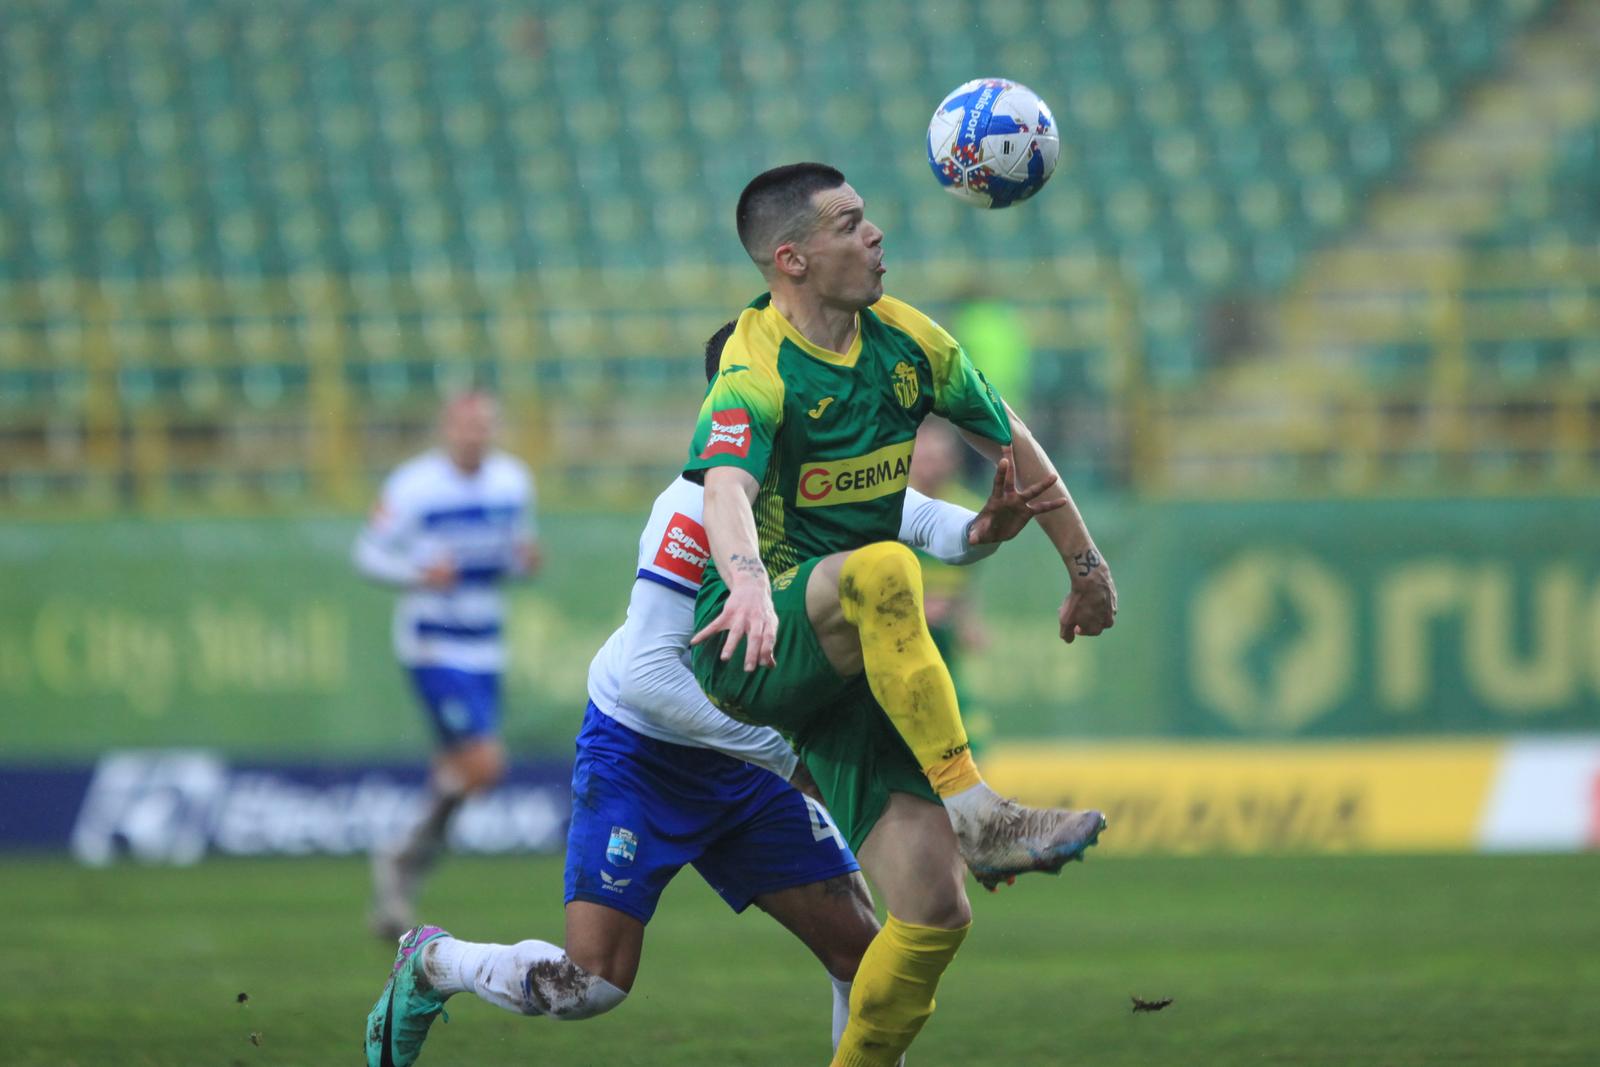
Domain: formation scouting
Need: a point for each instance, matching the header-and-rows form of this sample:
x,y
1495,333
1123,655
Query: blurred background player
x,y
452,525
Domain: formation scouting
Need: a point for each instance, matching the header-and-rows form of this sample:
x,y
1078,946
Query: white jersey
x,y
642,676
431,510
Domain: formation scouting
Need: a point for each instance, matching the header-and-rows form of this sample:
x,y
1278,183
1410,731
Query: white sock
x,y
971,803
841,1009
530,978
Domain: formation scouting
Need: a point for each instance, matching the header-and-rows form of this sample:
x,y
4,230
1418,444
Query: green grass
x,y
1399,960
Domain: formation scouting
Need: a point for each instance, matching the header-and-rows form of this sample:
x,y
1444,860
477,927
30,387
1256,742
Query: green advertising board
x,y
1237,620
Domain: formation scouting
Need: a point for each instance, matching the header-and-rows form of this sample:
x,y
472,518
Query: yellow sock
x,y
880,590
892,995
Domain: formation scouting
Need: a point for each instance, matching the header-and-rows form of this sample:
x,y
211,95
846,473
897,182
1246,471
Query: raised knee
x,y
884,576
944,906
953,915
886,559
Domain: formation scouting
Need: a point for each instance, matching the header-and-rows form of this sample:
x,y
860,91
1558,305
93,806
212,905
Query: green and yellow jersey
x,y
829,435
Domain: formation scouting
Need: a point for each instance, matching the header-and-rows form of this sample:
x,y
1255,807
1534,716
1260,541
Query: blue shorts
x,y
462,705
643,808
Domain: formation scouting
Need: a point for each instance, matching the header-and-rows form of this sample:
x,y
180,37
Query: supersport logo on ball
x,y
992,143
977,108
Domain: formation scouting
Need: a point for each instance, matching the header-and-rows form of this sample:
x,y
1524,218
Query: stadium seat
x,y
336,152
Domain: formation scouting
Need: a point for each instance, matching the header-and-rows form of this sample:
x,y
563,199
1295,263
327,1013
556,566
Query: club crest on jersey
x,y
730,434
684,549
624,845
824,483
907,386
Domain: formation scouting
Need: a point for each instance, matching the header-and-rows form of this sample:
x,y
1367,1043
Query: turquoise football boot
x,y
398,1023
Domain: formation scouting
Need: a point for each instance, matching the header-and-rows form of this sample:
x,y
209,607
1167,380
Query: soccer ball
x,y
993,143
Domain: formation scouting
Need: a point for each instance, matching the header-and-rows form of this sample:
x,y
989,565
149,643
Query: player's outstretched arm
x,y
379,552
747,615
940,529
1010,506
960,536
1091,605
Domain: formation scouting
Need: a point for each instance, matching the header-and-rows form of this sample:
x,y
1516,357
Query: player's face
x,y
468,429
844,253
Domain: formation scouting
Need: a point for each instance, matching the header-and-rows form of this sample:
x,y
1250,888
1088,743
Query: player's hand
x,y
1091,607
440,574
801,779
1009,508
529,558
747,615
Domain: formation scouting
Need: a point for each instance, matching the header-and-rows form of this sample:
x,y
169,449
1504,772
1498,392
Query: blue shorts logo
x,y
623,847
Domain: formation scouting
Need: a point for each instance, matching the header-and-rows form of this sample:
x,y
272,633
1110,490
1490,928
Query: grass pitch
x,y
1327,960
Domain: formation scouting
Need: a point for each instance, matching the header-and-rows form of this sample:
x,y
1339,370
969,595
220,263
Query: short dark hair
x,y
775,207
714,345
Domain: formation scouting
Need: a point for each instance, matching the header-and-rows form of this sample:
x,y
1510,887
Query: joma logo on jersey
x,y
730,434
825,483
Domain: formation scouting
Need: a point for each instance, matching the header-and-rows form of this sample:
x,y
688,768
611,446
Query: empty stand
x,y
245,248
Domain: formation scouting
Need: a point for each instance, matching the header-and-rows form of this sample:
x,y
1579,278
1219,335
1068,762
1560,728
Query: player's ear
x,y
789,260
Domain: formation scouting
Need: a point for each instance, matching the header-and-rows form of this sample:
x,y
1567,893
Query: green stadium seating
x,y
342,151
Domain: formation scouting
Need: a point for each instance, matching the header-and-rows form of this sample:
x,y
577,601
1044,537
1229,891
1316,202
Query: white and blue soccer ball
x,y
993,143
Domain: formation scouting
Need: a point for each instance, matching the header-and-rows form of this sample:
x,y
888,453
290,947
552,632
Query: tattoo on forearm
x,y
750,565
1085,562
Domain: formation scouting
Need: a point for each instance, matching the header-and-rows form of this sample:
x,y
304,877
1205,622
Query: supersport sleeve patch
x,y
739,418
682,552
729,434
673,548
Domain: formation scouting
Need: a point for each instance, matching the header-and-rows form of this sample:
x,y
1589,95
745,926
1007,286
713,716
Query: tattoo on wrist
x,y
748,565
1084,563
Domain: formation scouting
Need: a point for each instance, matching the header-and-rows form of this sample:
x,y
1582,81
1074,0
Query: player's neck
x,y
830,328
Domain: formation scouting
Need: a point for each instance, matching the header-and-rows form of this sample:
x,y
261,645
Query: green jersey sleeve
x,y
964,396
960,391
739,419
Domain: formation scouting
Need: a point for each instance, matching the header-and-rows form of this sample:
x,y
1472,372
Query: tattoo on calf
x,y
1085,562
